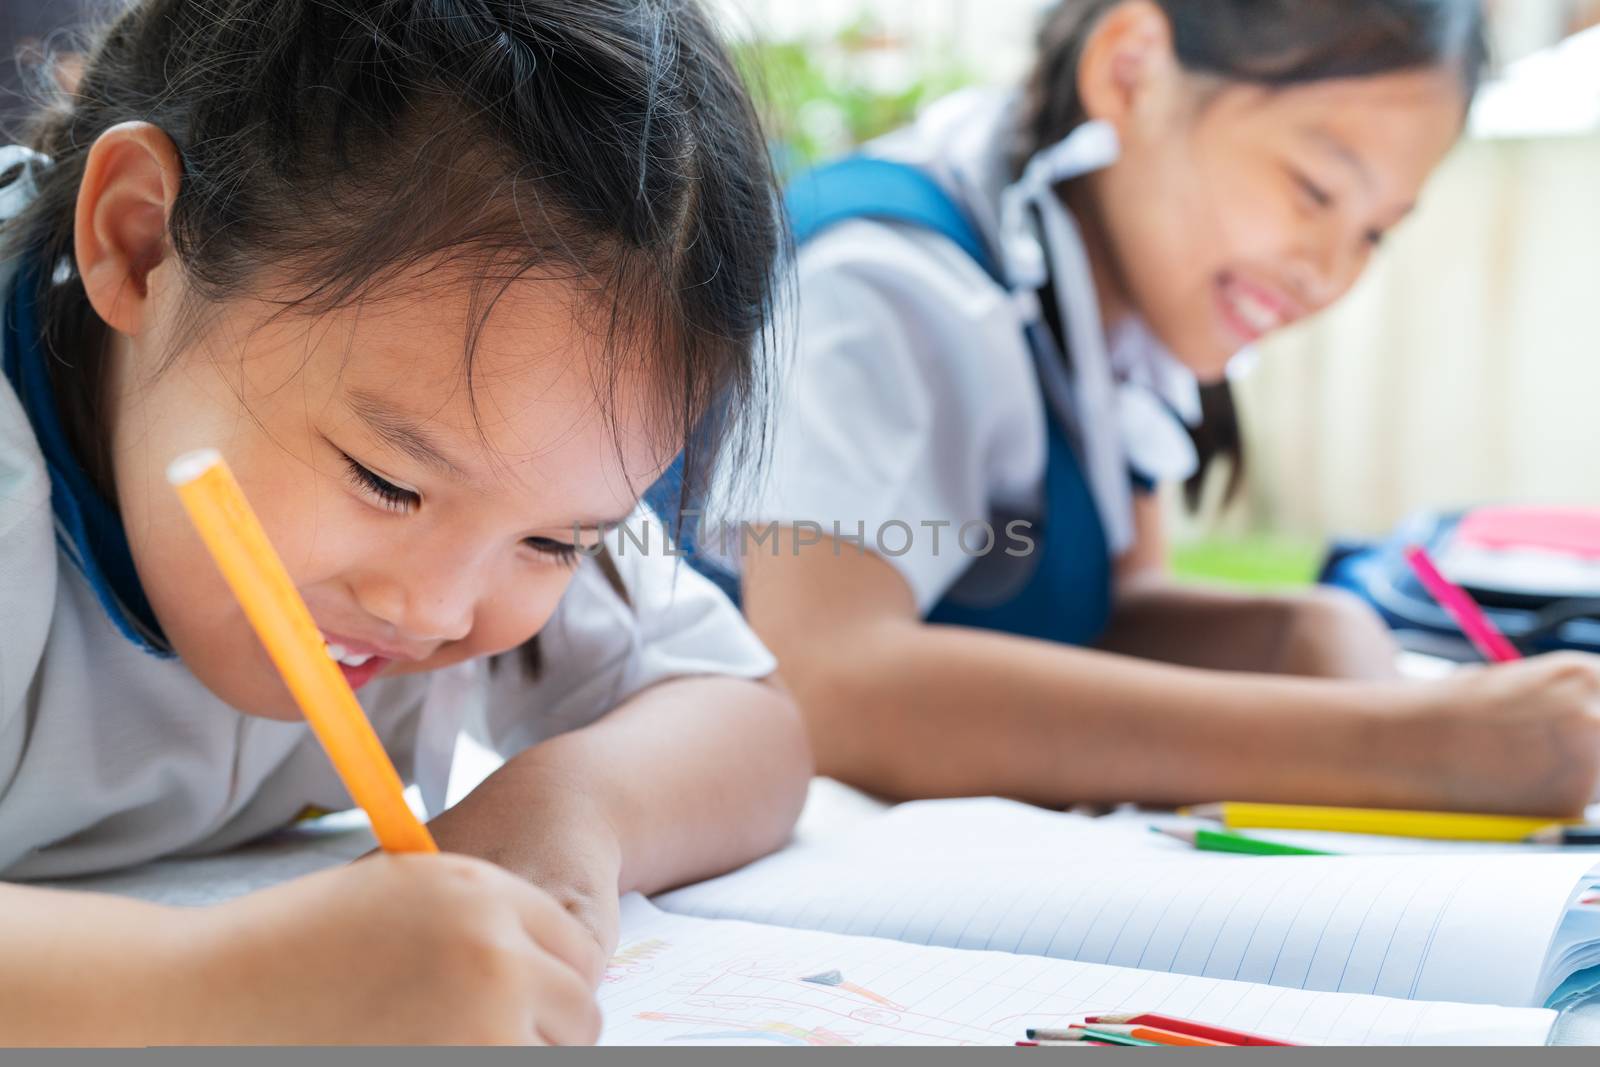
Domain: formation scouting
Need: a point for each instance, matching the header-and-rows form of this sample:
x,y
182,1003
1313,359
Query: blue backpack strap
x,y
865,187
858,187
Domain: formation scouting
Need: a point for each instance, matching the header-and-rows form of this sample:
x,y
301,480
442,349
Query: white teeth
x,y
1261,317
340,654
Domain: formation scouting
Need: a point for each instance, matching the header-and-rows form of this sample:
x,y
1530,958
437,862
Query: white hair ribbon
x,y
20,190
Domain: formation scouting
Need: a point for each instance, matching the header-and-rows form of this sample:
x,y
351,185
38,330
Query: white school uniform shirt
x,y
914,396
110,756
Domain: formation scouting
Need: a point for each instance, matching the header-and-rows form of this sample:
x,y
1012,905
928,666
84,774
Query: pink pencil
x,y
1462,608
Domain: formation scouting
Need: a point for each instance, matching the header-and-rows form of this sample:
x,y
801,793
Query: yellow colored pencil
x,y
1437,825
232,533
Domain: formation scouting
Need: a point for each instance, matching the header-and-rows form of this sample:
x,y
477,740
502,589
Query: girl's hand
x,y
1520,737
396,950
547,826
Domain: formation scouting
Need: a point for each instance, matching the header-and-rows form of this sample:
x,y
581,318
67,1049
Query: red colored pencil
x,y
1462,608
1186,1026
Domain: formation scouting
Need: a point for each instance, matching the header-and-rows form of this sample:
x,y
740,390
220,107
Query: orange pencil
x,y
251,566
1159,1036
1187,1026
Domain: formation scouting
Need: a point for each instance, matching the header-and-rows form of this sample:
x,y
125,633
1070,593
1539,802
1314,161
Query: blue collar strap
x,y
88,527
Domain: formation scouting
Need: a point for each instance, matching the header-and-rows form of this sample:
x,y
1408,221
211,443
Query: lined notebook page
x,y
677,980
997,875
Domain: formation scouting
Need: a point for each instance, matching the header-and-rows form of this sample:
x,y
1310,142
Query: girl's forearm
x,y
90,969
1316,633
913,710
688,779
697,776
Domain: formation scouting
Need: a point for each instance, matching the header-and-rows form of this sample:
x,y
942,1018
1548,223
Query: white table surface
x,y
831,808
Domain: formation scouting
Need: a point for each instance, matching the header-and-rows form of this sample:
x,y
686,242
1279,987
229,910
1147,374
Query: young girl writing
x,y
446,284
1016,316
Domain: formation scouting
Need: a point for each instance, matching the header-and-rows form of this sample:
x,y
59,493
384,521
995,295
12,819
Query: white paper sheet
x,y
992,874
677,980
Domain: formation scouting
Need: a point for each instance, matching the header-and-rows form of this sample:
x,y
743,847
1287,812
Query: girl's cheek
x,y
510,618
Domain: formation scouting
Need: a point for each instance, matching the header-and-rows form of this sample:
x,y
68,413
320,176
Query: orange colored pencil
x,y
1159,1036
1220,1034
232,533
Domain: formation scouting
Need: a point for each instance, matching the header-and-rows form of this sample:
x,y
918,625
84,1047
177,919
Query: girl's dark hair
x,y
1271,43
340,143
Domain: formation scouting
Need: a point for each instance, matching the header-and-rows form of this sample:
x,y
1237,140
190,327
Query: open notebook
x,y
994,875
679,980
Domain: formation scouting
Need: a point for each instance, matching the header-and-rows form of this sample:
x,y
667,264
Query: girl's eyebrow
x,y
402,432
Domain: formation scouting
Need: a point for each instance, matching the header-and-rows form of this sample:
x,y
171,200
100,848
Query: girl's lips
x,y
1251,311
352,648
358,661
357,677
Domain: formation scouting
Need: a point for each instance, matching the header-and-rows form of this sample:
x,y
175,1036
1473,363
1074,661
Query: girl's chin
x,y
1209,364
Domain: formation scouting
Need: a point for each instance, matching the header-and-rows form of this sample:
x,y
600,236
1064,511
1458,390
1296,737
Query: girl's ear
x,y
1127,57
130,181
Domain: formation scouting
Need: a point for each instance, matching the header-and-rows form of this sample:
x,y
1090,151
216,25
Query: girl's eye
x,y
560,551
1314,192
390,495
1375,238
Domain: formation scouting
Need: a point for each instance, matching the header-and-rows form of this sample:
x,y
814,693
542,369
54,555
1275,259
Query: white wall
x,y
1465,366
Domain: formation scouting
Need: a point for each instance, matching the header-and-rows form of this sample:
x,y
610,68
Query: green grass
x,y
1261,561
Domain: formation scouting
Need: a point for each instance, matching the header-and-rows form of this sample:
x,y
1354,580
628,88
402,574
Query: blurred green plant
x,y
1263,561
820,98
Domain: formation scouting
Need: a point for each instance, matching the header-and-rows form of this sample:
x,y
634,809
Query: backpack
x,y
1534,570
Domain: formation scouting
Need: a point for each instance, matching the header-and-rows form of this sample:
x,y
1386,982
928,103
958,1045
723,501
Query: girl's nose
x,y
421,607
1325,269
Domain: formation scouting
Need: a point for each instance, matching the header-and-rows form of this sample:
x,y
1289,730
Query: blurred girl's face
x,y
420,528
1234,210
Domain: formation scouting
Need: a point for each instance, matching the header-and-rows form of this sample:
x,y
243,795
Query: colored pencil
x,y
1060,1044
1082,1033
1218,841
1460,606
1559,834
1188,1026
228,526
1157,1035
1089,1033
1438,825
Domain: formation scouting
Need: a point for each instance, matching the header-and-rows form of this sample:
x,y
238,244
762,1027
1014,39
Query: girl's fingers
x,y
566,1012
558,933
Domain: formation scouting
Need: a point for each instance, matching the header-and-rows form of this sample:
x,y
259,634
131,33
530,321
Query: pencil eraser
x,y
191,465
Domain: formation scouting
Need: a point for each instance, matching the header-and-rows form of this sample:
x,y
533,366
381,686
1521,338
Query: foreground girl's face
x,y
1234,214
423,523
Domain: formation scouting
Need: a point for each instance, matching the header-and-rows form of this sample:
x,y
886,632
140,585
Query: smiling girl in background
x,y
1025,308
446,284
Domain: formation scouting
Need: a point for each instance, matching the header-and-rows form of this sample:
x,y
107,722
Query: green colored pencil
x,y
1091,1034
1222,841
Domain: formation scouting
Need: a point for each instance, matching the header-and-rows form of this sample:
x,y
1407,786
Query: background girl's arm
x,y
686,779
908,709
1317,633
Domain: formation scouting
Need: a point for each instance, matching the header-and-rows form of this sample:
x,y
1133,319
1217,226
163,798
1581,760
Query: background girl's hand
x,y
1518,737
397,950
